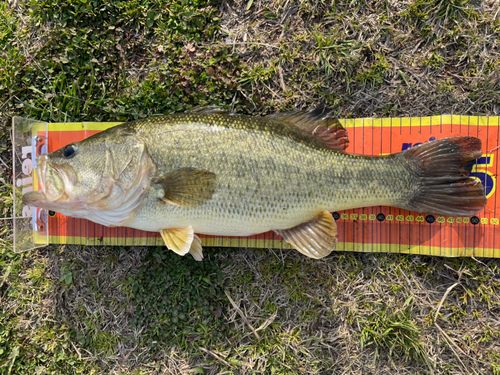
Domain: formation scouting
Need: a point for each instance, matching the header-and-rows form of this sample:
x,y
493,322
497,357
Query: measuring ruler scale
x,y
373,229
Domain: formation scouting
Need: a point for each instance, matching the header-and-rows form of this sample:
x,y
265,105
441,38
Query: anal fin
x,y
315,238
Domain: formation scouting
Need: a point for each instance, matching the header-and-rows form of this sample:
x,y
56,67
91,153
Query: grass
x,y
91,310
180,301
394,334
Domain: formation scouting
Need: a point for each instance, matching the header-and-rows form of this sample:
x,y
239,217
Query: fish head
x,y
100,173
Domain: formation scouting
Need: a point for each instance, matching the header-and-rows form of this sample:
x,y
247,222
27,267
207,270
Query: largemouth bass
x,y
214,173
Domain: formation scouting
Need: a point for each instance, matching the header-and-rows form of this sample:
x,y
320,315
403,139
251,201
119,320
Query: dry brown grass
x,y
299,314
377,58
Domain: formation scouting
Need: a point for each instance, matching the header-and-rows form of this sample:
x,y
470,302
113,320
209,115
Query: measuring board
x,y
374,229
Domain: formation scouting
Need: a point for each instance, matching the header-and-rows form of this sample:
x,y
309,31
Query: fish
x,y
210,172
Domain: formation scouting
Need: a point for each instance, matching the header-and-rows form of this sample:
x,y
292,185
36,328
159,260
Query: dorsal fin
x,y
318,122
209,110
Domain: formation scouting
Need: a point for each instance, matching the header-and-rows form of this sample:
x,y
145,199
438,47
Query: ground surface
x,y
73,309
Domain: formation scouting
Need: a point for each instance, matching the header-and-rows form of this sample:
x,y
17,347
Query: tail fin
x,y
442,168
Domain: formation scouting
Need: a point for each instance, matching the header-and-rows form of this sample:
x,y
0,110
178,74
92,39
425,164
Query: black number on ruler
x,y
380,217
336,215
430,219
474,220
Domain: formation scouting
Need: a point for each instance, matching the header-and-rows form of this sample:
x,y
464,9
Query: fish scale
x,y
269,176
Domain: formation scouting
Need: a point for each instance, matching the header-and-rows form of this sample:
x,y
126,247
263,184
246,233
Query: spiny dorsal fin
x,y
187,187
314,238
178,240
318,122
209,109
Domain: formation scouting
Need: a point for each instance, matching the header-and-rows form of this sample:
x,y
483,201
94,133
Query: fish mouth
x,y
37,199
54,182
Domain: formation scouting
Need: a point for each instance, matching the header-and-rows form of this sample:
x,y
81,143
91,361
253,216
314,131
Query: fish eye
x,y
69,151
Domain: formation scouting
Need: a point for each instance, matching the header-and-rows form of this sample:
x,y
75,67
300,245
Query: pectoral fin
x,y
178,240
314,238
188,187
